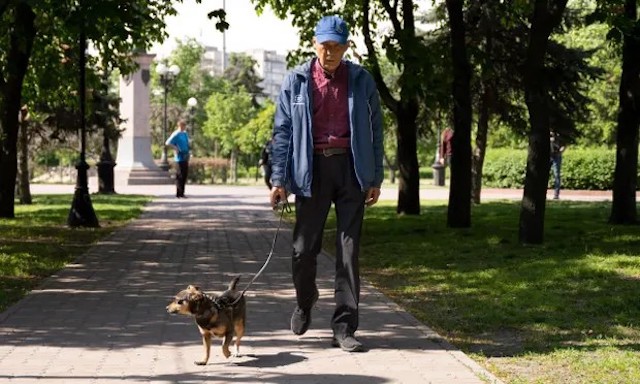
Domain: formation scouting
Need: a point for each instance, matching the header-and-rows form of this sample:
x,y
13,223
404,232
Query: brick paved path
x,y
103,320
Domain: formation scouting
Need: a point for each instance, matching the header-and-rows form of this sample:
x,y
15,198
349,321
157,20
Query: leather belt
x,y
330,151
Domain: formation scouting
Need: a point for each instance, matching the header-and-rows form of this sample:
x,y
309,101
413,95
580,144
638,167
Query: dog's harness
x,y
203,319
285,207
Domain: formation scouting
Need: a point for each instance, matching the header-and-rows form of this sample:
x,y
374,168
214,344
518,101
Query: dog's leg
x,y
239,331
225,344
206,343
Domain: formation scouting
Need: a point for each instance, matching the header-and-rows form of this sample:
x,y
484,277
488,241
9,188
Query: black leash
x,y
285,208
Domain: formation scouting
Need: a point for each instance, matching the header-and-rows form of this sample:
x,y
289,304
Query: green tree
x,y
459,209
193,81
496,32
241,72
14,59
114,27
623,17
227,113
545,17
599,128
253,135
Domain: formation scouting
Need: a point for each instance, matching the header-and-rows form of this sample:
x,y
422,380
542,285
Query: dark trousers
x,y
334,181
266,168
556,165
182,172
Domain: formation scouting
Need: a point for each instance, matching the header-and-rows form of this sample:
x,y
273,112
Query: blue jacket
x,y
292,153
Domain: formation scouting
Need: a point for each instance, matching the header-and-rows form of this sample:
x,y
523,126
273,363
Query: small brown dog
x,y
219,315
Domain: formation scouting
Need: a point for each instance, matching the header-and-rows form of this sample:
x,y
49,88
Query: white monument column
x,y
134,162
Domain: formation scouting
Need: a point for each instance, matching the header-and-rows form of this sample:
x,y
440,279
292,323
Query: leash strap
x,y
285,208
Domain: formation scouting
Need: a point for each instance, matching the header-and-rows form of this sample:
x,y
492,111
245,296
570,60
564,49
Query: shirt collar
x,y
317,68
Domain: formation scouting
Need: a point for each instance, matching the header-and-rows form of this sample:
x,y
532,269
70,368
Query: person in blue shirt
x,y
328,149
555,159
179,141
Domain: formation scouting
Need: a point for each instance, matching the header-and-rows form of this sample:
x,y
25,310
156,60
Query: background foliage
x,y
582,168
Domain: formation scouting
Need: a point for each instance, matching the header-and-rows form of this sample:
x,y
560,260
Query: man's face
x,y
329,54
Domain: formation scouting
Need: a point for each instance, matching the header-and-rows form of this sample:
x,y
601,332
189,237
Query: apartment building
x,y
212,61
270,66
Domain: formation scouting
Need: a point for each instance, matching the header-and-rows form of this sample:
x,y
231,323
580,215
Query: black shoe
x,y
347,343
301,318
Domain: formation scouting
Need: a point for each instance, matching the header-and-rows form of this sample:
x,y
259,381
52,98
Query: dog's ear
x,y
194,293
196,296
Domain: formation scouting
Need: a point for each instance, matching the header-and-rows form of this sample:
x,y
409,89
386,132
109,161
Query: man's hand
x,y
372,196
277,195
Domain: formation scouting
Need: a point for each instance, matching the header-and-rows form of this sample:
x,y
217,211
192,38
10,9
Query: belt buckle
x,y
328,152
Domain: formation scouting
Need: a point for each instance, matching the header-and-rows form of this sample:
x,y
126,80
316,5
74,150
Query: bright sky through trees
x,y
247,30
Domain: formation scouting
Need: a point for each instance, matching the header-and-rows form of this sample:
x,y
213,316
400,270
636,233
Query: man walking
x,y
328,148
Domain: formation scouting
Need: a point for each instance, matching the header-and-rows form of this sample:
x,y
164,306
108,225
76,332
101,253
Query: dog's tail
x,y
234,283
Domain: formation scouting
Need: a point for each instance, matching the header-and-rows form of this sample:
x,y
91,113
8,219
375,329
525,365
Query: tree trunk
x,y
20,43
485,109
532,210
406,109
481,146
409,173
391,168
24,189
625,179
459,210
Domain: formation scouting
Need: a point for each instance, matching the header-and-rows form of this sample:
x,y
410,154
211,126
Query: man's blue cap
x,y
332,28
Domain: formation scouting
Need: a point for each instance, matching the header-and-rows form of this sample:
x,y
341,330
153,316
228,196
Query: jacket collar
x,y
304,69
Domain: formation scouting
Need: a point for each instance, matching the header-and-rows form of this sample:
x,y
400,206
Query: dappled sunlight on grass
x,y
572,365
38,242
489,295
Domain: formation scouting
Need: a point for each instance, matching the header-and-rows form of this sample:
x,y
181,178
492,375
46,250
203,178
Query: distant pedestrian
x,y
556,151
445,146
265,163
179,140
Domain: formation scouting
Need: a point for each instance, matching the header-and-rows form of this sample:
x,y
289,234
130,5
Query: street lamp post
x,y
192,103
82,213
167,77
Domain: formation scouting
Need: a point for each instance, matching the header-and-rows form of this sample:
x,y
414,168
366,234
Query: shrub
x,y
588,169
206,170
504,168
582,168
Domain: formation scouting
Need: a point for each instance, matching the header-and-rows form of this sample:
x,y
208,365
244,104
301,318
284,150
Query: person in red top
x,y
445,146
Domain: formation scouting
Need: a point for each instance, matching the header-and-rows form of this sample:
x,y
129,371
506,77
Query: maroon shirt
x,y
445,145
330,107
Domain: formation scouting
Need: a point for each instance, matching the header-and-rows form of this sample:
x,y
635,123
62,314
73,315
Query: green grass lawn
x,y
38,242
567,311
